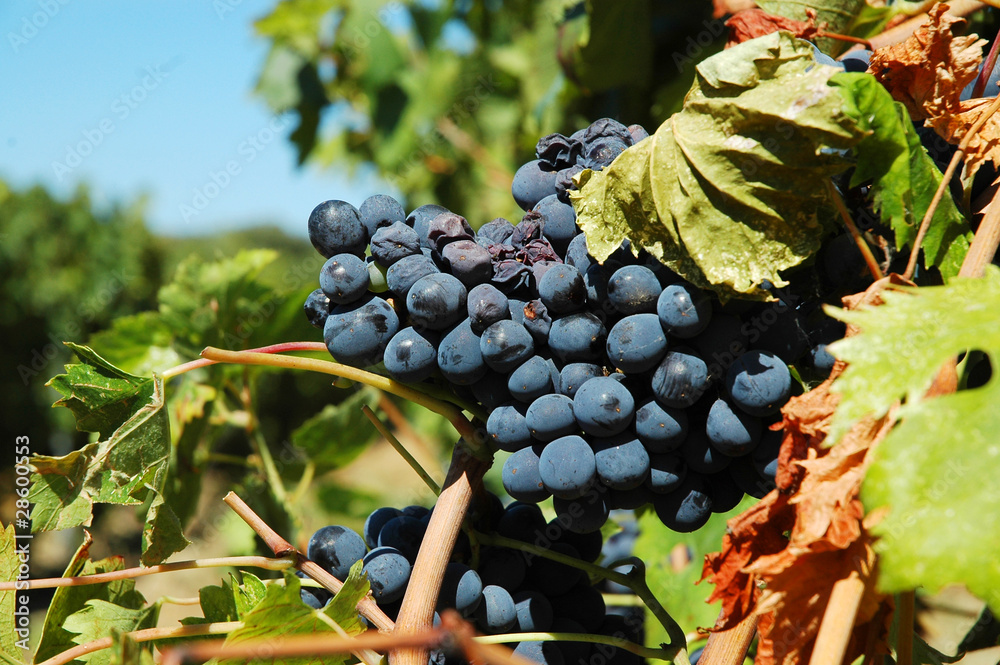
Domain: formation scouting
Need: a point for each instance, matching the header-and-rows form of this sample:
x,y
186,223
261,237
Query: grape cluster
x,y
613,385
498,589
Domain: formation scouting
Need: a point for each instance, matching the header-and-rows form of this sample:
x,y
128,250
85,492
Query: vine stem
x,y
446,409
925,223
403,452
465,474
984,244
729,647
145,635
273,348
852,228
283,548
264,562
635,580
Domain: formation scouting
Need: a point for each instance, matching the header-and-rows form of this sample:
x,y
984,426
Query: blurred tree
x,y
66,271
446,99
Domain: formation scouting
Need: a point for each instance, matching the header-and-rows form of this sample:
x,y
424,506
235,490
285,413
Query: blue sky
x,y
154,98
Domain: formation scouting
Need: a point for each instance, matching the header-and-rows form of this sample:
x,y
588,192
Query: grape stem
x,y
446,409
925,223
838,620
263,562
283,548
145,635
403,452
984,76
635,579
273,348
632,647
465,474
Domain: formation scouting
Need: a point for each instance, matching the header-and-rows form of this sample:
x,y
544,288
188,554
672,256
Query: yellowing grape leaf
x,y
99,619
927,71
837,15
933,479
730,191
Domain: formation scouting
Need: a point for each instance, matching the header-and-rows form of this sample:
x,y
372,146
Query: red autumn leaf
x,y
927,71
722,7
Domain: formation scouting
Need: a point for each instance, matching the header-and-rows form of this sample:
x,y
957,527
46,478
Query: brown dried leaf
x,y
927,71
985,144
752,23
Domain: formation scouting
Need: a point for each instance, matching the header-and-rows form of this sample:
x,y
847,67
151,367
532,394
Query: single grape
x,y
533,182
723,491
335,549
660,428
562,290
459,357
567,467
583,515
317,307
587,544
666,473
731,431
436,301
577,338
403,533
374,523
461,589
411,355
486,305
634,289
603,406
559,222
537,320
335,227
534,611
405,272
508,428
505,345
447,228
393,243
700,456
684,310
469,262
522,521
311,599
521,478
759,383
494,232
358,334
491,391
680,379
551,416
637,343
531,380
344,278
687,508
574,375
638,133
388,573
577,254
622,461
379,211
496,613
502,566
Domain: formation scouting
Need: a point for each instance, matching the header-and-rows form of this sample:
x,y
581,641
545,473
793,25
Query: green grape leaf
x,y
838,15
127,466
218,604
99,618
339,433
343,607
100,395
730,190
903,176
282,613
248,595
935,473
677,588
9,566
